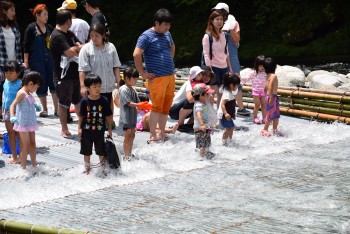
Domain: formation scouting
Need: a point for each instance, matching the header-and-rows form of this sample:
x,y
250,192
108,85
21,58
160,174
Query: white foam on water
x,y
177,155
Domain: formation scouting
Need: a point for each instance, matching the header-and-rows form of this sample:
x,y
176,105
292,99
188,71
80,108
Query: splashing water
x,y
25,187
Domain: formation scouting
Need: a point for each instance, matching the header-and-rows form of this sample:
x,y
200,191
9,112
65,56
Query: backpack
x,y
211,39
112,155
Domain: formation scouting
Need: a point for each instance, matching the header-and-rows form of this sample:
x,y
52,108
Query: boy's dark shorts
x,y
86,146
68,92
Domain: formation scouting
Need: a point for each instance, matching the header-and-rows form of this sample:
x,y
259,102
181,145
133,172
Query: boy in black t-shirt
x,y
95,110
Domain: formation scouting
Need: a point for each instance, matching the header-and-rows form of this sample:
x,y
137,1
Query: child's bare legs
x,y
28,146
12,139
227,135
257,104
87,163
32,148
25,149
275,125
129,136
103,163
202,152
263,108
267,124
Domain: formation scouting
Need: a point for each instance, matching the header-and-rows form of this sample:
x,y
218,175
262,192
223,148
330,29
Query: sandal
x,y
67,135
154,141
14,161
43,114
265,133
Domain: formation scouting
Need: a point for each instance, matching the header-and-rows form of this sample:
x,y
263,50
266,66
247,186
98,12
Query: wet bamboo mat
x,y
303,190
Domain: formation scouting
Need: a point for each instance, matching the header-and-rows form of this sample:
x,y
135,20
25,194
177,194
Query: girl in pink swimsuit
x,y
258,77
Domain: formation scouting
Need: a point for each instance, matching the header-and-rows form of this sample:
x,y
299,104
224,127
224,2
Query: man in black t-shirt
x,y
65,47
93,8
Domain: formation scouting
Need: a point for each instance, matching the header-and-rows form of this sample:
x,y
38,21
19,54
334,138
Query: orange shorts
x,y
162,93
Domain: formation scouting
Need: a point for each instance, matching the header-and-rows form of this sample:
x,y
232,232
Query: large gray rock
x,y
321,79
345,87
245,73
289,76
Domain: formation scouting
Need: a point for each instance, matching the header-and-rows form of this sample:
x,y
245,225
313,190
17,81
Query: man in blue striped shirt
x,y
157,48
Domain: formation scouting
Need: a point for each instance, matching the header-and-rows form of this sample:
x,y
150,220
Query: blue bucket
x,y
6,149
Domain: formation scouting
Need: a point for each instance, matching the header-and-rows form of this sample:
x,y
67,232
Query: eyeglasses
x,y
83,2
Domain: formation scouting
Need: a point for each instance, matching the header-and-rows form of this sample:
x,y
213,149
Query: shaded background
x,y
294,31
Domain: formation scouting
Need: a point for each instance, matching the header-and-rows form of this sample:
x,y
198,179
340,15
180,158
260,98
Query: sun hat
x,y
210,73
194,71
68,5
202,88
220,6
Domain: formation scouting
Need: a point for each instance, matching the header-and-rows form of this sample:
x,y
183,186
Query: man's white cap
x,y
220,6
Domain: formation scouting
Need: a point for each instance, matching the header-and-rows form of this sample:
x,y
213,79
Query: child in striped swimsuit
x,y
258,77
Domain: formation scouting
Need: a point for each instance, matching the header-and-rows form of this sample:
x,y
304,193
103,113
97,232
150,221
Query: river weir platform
x,y
298,183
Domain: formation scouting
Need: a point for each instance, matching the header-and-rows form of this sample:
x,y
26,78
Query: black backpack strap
x,y
227,34
210,45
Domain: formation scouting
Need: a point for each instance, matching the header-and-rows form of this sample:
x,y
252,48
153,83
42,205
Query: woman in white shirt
x,y
10,39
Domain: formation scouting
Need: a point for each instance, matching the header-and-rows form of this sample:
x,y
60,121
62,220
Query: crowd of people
x,y
78,64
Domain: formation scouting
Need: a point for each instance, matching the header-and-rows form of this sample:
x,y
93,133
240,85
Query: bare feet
x,y
173,130
14,160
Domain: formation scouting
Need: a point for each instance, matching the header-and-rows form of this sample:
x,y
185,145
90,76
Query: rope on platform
x,y
24,176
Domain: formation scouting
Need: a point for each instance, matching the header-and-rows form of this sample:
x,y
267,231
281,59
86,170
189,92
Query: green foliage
x,y
294,28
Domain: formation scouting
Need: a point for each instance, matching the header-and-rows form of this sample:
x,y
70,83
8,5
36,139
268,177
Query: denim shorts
x,y
175,109
219,73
